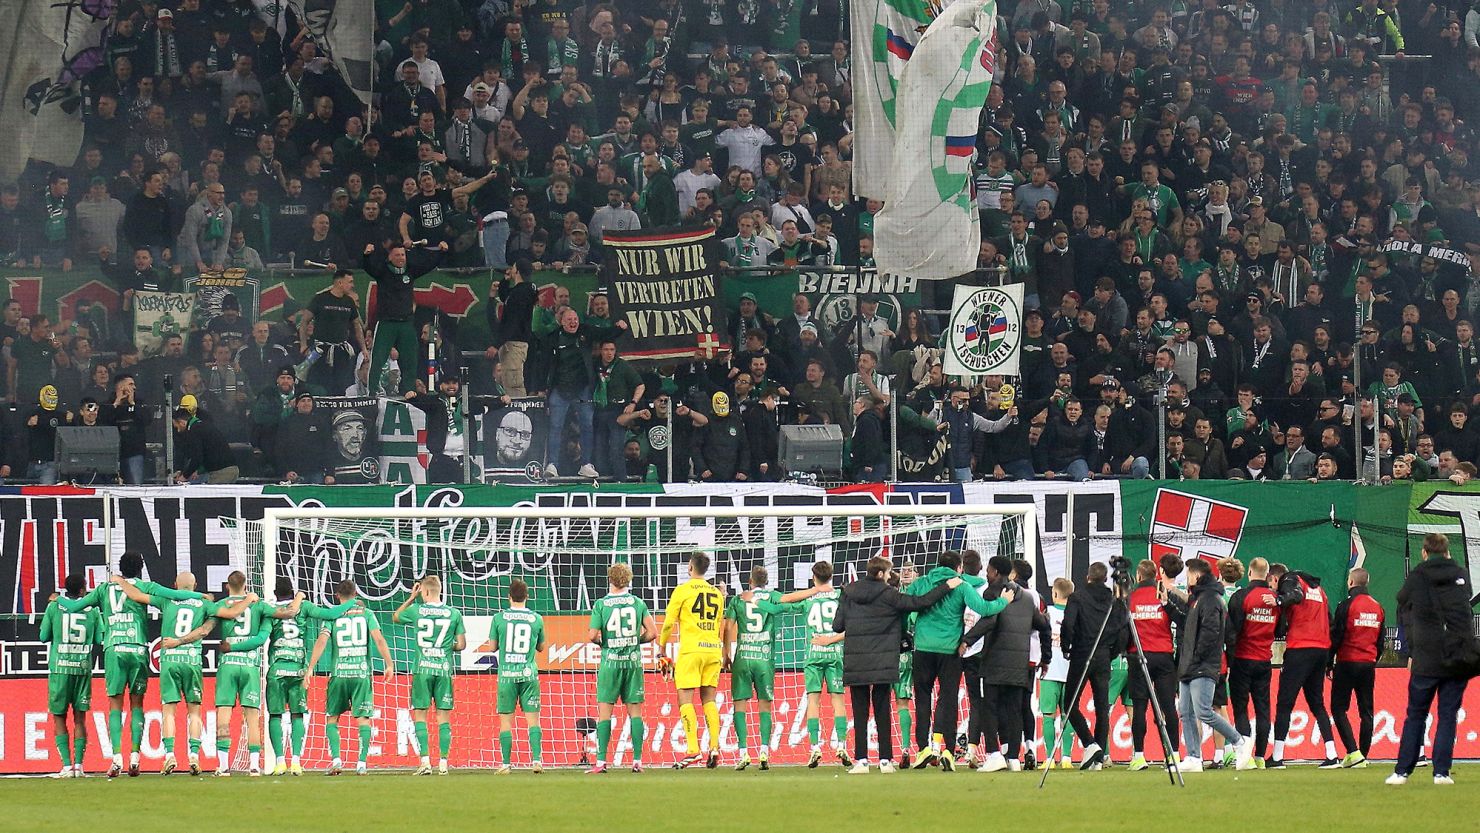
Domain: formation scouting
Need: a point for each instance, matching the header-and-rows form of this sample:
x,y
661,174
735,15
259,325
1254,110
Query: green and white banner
x,y
985,334
158,315
929,227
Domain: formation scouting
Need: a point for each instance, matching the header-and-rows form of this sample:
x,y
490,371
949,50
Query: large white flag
x,y
47,48
345,31
929,227
885,33
985,336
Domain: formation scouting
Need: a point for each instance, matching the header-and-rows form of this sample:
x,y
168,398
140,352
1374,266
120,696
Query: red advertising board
x,y
567,718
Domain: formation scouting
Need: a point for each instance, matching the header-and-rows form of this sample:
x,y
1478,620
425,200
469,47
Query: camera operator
x,y
1091,605
1152,611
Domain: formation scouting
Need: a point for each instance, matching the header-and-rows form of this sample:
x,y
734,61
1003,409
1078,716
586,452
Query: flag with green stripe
x,y
929,227
885,33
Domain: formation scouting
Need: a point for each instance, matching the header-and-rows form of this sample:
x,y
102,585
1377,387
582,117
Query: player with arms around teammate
x,y
440,635
824,667
938,633
287,690
518,634
620,624
350,672
69,673
750,641
125,651
239,671
695,611
182,625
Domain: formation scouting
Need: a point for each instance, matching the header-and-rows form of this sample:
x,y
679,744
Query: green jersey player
x,y
239,672
750,638
518,634
350,671
621,624
824,667
440,637
183,624
69,673
287,691
125,652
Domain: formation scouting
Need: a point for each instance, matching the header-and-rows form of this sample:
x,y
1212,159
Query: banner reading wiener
x,y
664,284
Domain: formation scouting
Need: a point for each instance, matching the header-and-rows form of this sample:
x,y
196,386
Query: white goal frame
x,y
273,517
273,521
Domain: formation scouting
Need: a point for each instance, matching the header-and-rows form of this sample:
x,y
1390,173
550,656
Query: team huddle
x,y
1207,642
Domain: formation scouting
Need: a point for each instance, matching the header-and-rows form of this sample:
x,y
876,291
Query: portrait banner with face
x,y
356,452
516,436
158,315
211,289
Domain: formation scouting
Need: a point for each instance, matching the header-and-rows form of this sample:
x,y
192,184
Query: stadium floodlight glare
x,y
562,553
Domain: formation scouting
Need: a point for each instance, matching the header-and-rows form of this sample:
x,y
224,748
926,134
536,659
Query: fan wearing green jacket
x,y
937,635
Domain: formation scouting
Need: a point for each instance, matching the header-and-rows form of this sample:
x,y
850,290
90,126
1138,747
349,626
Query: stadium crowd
x,y
1237,203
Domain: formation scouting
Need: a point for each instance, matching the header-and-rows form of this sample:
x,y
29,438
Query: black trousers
x,y
1248,680
1097,678
930,669
1350,678
1304,673
444,469
1030,719
1003,716
1164,682
880,697
976,725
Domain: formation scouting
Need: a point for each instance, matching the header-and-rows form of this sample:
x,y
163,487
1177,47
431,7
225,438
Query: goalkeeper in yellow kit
x,y
696,611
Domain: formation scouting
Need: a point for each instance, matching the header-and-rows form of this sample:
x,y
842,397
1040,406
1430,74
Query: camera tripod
x,y
1174,774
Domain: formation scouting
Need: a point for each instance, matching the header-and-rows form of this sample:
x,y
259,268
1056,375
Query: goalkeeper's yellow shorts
x,y
696,670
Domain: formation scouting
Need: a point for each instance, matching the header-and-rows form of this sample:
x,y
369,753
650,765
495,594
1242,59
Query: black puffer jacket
x,y
1064,441
1008,635
1434,609
1082,617
1200,648
871,615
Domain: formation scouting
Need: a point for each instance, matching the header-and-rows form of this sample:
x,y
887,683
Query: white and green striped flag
x,y
929,227
885,33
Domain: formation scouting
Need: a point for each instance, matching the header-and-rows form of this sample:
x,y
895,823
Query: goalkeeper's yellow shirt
x,y
696,610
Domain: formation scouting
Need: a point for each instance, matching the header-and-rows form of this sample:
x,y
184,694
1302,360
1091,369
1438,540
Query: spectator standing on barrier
x,y
202,455
303,444
570,383
510,324
1435,614
1356,642
395,276
338,334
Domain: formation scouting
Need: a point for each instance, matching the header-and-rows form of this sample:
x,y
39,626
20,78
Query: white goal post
x,y
563,554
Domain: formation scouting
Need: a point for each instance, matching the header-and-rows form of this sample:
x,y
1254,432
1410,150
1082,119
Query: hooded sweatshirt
x,y
1307,612
939,629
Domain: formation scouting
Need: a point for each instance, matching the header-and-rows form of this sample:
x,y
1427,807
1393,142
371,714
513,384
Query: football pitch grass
x,y
1301,798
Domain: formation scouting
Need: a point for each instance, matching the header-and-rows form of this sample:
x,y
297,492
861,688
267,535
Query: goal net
x,y
563,556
